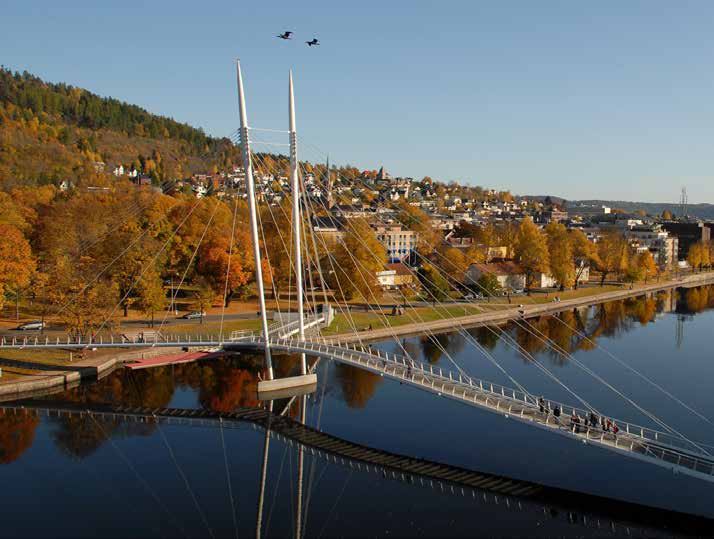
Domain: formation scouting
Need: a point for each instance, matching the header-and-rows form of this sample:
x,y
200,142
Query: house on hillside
x,y
510,275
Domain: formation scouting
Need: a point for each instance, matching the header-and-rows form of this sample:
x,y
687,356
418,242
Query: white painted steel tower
x,y
295,183
252,207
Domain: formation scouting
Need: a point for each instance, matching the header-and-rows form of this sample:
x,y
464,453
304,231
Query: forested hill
x,y
51,132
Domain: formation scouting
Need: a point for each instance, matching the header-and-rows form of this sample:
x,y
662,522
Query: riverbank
x,y
48,377
531,307
47,374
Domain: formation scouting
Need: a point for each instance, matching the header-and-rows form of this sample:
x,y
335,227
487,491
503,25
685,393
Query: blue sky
x,y
604,99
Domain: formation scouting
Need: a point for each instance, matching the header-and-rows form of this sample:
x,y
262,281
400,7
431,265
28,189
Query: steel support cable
x,y
636,372
348,316
228,269
440,346
533,359
371,293
143,482
538,364
306,298
435,341
145,269
185,479
267,253
611,355
599,379
275,492
307,209
550,343
190,262
228,479
110,264
282,241
527,355
358,264
647,413
307,204
334,505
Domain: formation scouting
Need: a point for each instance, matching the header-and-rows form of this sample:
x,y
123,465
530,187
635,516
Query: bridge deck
x,y
632,440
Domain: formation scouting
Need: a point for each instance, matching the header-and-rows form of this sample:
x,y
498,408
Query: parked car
x,y
193,315
469,296
32,326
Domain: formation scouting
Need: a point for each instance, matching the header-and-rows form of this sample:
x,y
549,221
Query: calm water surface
x,y
82,477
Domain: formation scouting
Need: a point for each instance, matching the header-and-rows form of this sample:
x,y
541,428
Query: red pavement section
x,y
168,360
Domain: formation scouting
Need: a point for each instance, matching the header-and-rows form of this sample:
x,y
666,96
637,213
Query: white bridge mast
x,y
252,206
295,182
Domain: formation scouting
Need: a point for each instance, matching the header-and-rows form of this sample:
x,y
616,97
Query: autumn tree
x,y
489,285
203,295
531,250
646,266
151,296
611,254
584,253
453,261
356,261
227,269
434,283
560,252
83,300
418,221
17,263
699,255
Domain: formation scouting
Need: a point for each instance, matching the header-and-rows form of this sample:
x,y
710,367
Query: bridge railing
x,y
375,358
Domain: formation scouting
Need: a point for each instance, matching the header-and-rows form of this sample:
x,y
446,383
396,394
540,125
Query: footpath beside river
x,y
529,309
64,374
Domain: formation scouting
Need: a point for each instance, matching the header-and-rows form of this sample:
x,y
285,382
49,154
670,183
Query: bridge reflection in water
x,y
577,509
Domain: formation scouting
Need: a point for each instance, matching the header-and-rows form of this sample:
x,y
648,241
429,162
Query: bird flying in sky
x,y
312,42
285,35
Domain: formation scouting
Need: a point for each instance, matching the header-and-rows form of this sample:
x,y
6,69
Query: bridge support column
x,y
250,188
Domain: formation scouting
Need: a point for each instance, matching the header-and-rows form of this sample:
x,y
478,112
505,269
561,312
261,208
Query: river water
x,y
85,477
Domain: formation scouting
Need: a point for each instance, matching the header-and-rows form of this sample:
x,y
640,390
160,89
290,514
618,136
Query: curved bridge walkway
x,y
660,448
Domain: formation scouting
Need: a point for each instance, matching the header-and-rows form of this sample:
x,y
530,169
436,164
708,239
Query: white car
x,y
193,315
32,326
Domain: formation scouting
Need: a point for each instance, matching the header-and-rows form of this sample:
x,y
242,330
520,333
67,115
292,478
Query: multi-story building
x,y
688,234
656,240
400,243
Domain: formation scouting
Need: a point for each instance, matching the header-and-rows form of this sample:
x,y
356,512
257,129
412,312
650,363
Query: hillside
x,y
50,132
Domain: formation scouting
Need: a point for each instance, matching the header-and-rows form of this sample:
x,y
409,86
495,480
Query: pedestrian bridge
x,y
636,441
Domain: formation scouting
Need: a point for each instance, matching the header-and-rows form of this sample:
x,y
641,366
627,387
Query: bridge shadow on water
x,y
221,396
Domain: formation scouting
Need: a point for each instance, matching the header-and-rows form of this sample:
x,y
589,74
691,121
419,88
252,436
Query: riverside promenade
x,y
49,377
529,309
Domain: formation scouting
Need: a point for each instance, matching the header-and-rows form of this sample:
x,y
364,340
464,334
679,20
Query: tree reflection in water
x,y
231,383
357,385
17,432
222,386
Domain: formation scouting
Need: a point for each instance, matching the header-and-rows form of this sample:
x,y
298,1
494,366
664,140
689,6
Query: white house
x,y
509,275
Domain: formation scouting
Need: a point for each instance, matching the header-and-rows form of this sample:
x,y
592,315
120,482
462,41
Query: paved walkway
x,y
515,312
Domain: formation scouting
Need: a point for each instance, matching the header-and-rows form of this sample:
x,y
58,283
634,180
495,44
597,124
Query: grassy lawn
x,y
44,357
363,320
195,327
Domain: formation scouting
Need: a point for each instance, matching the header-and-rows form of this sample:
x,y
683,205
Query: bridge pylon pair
x,y
304,380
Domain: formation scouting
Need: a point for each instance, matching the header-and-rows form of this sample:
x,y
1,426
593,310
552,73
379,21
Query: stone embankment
x,y
72,373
